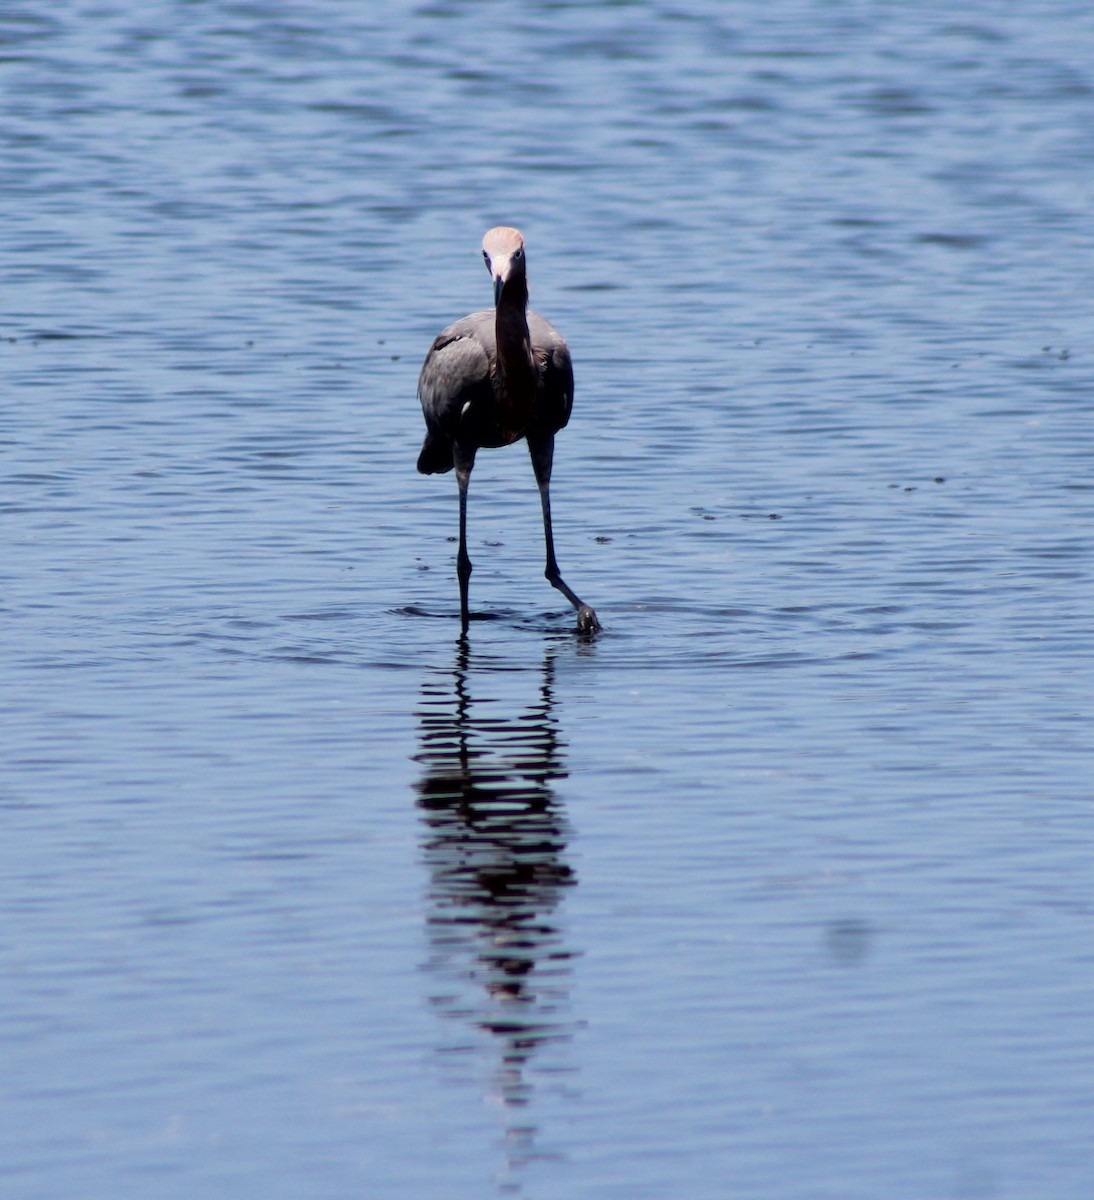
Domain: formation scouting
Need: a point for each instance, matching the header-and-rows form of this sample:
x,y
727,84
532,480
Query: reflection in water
x,y
495,844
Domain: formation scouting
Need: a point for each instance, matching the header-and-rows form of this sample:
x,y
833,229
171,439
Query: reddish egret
x,y
490,379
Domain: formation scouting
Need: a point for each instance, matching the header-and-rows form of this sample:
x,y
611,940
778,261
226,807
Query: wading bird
x,y
490,379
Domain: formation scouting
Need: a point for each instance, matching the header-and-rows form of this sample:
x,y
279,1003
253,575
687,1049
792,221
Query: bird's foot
x,y
586,621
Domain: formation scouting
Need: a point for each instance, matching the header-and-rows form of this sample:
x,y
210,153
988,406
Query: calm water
x,y
779,888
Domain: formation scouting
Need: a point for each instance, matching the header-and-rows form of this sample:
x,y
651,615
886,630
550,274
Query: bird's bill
x,y
499,283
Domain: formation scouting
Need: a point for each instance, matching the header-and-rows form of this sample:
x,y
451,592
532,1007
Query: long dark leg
x,y
542,449
465,460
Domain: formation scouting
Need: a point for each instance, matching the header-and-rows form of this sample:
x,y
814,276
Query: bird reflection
x,y
495,845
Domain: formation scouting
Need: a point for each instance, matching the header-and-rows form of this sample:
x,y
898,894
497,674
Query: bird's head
x,y
503,250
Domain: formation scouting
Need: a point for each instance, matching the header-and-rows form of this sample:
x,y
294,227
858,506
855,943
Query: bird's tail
x,y
436,455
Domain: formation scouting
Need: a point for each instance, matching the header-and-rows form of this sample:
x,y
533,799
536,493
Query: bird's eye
x,y
486,257
518,252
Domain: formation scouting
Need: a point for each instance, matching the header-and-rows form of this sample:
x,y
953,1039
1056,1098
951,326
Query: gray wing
x,y
556,373
456,372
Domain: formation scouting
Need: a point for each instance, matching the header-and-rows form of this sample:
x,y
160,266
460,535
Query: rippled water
x,y
781,886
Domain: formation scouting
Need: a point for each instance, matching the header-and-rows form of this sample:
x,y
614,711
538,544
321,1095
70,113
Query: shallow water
x,y
780,887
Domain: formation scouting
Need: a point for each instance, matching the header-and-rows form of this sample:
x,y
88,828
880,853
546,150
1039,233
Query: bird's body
x,y
488,380
466,399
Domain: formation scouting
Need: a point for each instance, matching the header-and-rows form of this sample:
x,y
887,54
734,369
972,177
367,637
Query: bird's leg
x,y
464,460
542,449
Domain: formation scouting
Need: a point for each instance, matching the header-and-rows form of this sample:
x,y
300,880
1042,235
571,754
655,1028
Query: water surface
x,y
778,888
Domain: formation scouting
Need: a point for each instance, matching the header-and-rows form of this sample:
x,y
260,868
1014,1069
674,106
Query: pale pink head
x,y
503,250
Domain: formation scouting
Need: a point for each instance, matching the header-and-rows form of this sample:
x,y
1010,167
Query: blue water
x,y
778,888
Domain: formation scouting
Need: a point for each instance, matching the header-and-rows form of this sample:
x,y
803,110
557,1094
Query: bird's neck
x,y
516,368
